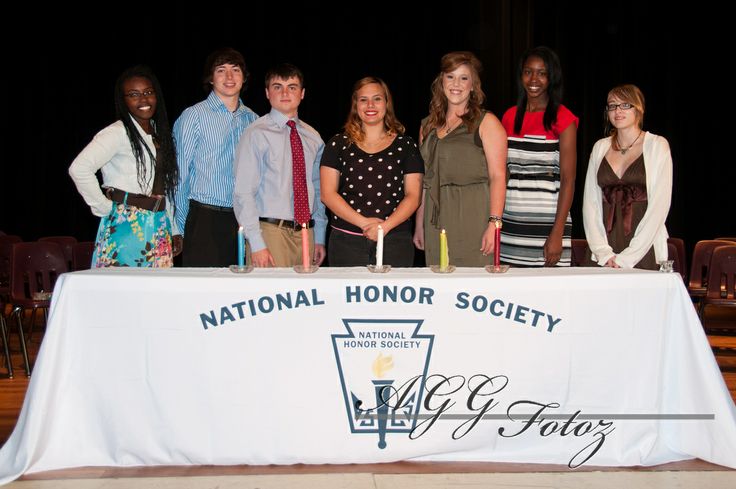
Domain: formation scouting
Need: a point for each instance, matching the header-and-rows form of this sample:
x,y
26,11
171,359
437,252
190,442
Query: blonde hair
x,y
438,105
354,126
630,94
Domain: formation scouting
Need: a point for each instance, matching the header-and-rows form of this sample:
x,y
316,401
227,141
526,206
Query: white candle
x,y
379,248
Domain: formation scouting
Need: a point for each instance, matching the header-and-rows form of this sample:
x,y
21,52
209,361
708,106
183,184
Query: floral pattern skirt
x,y
133,237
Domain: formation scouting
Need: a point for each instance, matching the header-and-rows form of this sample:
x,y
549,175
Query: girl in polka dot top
x,y
371,175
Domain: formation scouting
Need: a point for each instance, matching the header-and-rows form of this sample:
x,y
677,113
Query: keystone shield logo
x,y
376,359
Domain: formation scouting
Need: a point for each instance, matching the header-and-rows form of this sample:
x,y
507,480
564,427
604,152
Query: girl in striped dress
x,y
541,167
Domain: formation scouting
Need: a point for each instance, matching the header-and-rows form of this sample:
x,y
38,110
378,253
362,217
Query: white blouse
x,y
111,152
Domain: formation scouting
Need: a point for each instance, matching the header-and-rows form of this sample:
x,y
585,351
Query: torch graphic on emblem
x,y
381,365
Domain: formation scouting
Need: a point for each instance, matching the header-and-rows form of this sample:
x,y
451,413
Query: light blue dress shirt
x,y
206,135
263,176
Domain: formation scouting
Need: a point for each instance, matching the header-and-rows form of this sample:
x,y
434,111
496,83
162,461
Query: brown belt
x,y
153,203
288,224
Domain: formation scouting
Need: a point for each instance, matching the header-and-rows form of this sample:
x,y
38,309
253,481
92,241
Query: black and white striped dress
x,y
532,190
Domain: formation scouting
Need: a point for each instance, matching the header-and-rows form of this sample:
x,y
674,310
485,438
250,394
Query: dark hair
x,y
165,152
438,105
284,71
220,57
554,89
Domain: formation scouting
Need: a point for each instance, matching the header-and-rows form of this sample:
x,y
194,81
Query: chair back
x,y
673,255
701,264
82,255
727,239
34,269
681,257
722,273
6,251
578,251
66,243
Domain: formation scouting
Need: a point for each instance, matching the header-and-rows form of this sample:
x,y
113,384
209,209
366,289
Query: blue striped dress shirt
x,y
206,136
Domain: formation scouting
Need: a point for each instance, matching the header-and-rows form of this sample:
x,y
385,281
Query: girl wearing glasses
x,y
137,158
628,188
541,166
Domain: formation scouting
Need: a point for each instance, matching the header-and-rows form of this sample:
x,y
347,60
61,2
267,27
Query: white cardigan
x,y
110,151
651,229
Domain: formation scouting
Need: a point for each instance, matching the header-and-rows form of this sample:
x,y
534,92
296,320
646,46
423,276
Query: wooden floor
x,y
12,393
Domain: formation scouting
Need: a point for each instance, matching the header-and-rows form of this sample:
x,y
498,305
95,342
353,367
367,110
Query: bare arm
x,y
568,162
419,219
407,206
494,140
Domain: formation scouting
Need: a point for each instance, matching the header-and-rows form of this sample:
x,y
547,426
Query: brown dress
x,y
624,205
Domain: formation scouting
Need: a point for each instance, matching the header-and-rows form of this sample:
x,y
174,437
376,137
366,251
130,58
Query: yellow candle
x,y
444,254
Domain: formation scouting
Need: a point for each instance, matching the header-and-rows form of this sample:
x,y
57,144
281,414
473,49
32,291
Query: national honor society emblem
x,y
383,366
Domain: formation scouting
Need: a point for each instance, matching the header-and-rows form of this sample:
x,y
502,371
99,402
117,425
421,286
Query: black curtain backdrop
x,y
58,95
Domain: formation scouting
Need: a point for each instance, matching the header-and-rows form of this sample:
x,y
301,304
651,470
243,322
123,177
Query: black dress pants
x,y
210,236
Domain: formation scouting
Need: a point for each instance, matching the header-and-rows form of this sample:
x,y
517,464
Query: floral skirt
x,y
133,237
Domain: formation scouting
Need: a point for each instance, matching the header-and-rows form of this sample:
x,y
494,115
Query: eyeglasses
x,y
622,106
147,93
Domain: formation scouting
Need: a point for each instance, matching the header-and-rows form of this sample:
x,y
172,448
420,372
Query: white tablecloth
x,y
203,366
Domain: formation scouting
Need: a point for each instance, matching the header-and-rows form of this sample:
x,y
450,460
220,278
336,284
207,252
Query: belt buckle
x,y
158,202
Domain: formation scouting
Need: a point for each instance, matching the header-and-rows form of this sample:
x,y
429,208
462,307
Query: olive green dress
x,y
457,196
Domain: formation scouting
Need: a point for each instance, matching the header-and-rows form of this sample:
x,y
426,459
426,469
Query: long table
x,y
204,366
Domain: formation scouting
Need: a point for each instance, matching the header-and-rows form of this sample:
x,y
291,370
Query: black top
x,y
371,183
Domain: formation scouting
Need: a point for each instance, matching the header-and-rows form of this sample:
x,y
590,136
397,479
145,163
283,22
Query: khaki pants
x,y
285,244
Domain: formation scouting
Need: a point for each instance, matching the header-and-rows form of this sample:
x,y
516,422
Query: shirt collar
x,y
280,118
216,104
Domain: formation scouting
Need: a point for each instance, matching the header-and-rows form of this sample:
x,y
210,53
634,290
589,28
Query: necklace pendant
x,y
623,151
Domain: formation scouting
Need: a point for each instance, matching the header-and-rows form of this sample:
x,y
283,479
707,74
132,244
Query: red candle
x,y
497,249
305,247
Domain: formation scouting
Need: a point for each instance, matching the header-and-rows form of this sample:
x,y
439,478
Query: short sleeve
x,y
413,161
331,156
564,119
507,121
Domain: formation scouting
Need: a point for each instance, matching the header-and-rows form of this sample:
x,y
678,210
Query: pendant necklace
x,y
624,150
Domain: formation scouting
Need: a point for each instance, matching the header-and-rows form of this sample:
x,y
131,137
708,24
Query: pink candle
x,y
497,249
305,247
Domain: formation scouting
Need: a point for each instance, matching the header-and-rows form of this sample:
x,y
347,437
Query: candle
x,y
497,249
379,248
305,247
444,254
241,247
